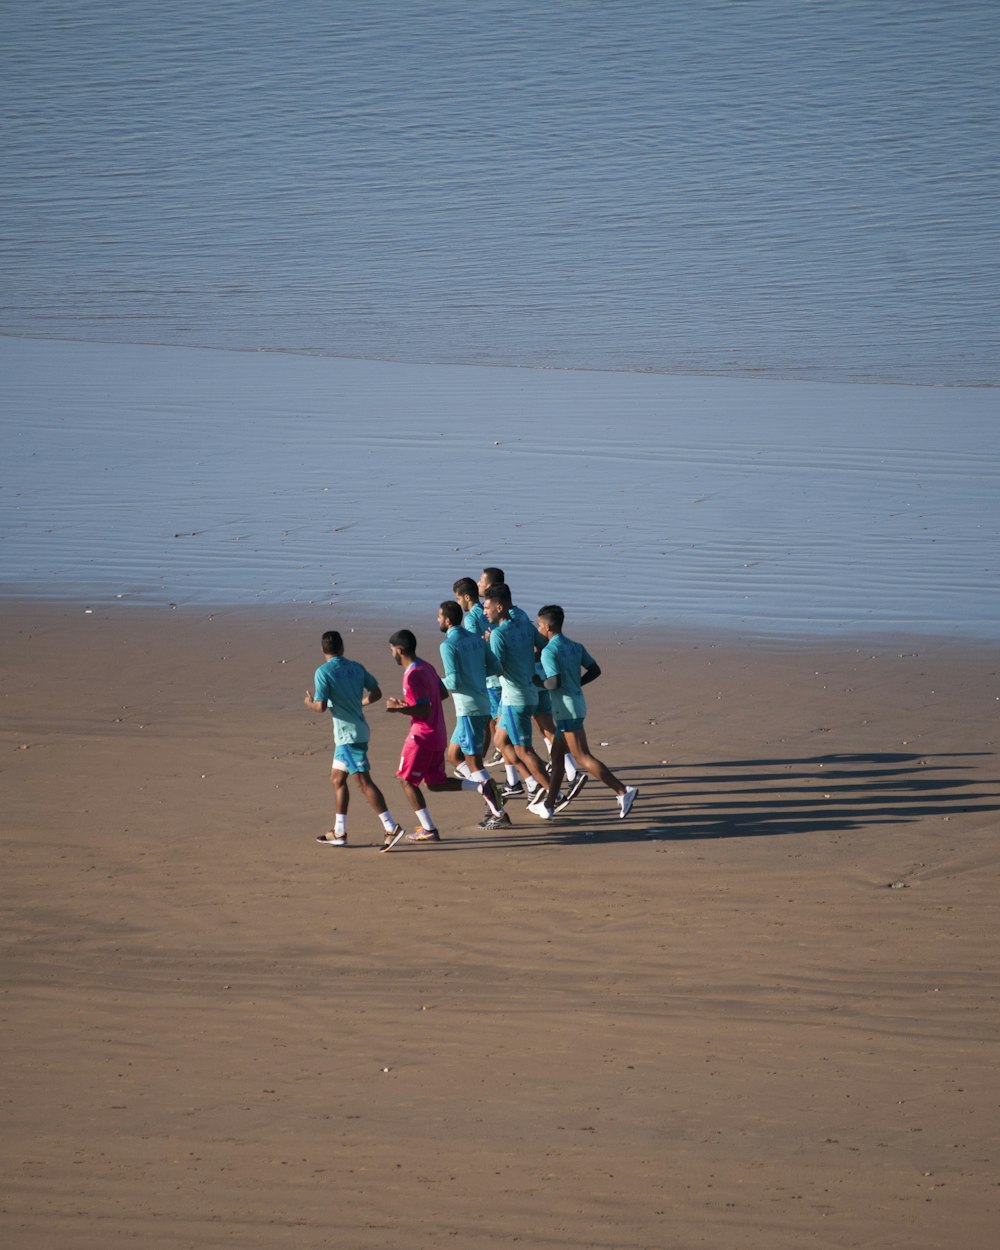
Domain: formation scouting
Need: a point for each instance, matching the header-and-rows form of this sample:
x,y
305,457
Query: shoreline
x,y
257,479
645,637
748,375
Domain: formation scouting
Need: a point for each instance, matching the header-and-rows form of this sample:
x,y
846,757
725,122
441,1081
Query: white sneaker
x,y
539,805
626,800
332,839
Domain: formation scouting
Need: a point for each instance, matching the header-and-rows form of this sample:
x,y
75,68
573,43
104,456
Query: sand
x,y
761,1012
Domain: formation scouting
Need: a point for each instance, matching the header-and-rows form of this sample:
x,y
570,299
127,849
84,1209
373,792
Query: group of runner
x,y
503,673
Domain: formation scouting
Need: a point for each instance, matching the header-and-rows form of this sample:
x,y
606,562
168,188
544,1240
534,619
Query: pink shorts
x,y
422,760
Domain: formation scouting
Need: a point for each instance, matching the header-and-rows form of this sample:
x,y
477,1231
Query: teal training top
x,y
475,620
519,614
340,684
564,658
467,661
476,623
513,643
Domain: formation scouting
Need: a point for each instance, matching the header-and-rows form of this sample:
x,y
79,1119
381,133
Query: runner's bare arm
x,y
418,711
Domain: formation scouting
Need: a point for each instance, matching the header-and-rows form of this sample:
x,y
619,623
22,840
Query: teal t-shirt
x,y
513,643
564,658
519,614
340,684
475,620
467,661
476,623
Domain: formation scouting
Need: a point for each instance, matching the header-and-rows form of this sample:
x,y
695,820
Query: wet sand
x,y
159,475
716,1023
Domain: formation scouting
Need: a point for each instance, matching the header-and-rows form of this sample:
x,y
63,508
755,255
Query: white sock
x,y
340,825
513,777
424,817
571,768
532,785
463,769
481,777
388,824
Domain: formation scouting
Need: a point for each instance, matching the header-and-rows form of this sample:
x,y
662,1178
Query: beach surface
x,y
762,1011
159,475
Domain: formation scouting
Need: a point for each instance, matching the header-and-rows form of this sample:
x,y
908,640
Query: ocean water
x,y
785,188
684,314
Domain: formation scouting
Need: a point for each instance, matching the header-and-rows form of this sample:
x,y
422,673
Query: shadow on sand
x,y
759,798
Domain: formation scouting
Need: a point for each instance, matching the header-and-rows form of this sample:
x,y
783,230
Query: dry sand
x,y
714,1024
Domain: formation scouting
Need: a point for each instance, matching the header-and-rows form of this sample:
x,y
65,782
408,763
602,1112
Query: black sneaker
x,y
515,791
579,781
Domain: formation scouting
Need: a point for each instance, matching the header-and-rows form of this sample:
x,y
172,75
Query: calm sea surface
x,y
356,207
784,188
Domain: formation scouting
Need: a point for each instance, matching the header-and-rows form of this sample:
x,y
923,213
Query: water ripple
x,y
170,474
799,190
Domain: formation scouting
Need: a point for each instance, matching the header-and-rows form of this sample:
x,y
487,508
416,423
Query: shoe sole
x,y
332,841
397,838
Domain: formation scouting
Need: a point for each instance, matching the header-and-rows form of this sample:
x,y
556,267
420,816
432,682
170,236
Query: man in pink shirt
x,y
422,757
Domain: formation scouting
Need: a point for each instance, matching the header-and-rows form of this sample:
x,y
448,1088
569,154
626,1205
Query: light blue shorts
x,y
494,693
352,758
516,723
470,733
569,726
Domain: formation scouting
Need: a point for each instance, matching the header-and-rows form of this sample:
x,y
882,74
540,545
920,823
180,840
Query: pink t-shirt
x,y
421,684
